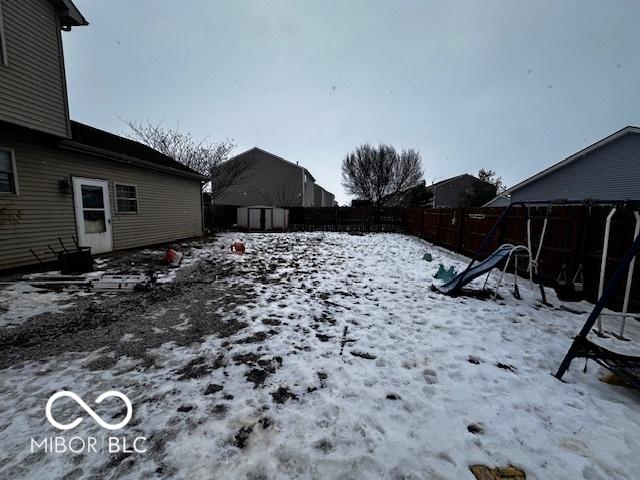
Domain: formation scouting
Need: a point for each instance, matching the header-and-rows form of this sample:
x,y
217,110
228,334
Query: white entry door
x,y
93,214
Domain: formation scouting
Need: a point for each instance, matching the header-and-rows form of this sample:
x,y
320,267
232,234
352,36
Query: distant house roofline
x,y
447,180
274,156
572,158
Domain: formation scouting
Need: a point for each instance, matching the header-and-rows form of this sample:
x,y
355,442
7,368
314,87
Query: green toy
x,y
444,274
427,256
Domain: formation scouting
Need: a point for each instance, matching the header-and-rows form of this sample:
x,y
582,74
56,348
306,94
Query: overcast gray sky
x,y
509,85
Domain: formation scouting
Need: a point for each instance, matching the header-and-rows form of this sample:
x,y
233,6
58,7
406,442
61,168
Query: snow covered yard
x,y
320,355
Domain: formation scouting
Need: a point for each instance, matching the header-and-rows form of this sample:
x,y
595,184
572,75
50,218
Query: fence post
x,y
461,229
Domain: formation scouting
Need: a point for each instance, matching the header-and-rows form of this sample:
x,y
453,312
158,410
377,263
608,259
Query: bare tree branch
x,y
204,156
226,174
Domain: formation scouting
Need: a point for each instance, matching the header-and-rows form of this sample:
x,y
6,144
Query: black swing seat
x,y
627,367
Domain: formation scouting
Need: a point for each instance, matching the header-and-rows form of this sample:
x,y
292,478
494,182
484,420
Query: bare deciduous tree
x,y
380,174
204,156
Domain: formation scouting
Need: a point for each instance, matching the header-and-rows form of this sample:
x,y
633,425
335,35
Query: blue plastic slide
x,y
496,260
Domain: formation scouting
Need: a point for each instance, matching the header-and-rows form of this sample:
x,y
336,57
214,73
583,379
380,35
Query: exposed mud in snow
x,y
319,355
129,324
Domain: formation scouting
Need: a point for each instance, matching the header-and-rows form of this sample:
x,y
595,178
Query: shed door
x,y
93,214
254,218
268,219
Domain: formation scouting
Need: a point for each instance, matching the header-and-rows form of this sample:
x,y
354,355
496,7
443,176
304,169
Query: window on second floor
x,y
3,44
8,177
126,198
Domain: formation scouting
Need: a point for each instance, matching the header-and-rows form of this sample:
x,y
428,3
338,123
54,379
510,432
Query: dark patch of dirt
x,y
198,368
365,355
212,388
241,438
272,322
475,428
185,408
505,366
151,318
322,376
255,338
250,358
265,422
257,376
322,337
474,360
393,396
219,410
283,394
324,445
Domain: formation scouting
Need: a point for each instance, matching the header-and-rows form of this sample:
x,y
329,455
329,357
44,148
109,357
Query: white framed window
x,y
126,198
8,173
3,43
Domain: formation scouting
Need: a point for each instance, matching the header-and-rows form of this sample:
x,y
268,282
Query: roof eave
x,y
69,15
571,158
129,160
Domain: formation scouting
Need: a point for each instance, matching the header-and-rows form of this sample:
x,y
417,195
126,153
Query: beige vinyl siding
x,y
32,85
169,206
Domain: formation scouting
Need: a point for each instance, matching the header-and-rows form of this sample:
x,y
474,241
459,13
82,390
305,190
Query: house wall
x,y
318,193
448,194
32,84
322,198
269,181
169,206
309,191
611,172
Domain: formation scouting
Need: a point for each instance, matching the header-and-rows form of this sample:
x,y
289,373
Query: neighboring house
x,y
60,178
322,198
448,193
270,180
607,170
328,199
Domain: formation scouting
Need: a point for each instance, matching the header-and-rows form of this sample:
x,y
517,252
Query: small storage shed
x,y
263,217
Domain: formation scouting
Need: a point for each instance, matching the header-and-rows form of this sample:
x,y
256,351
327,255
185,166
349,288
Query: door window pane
x,y
7,183
94,221
92,197
5,161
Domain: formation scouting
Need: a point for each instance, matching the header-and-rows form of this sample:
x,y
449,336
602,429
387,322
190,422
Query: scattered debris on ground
x,y
483,472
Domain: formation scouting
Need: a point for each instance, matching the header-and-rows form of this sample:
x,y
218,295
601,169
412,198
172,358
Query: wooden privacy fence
x,y
219,217
347,219
574,238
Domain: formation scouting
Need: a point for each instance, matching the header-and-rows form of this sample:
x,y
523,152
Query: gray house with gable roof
x,y
606,170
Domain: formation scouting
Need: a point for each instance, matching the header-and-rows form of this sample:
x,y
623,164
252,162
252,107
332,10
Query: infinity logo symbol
x,y
89,410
